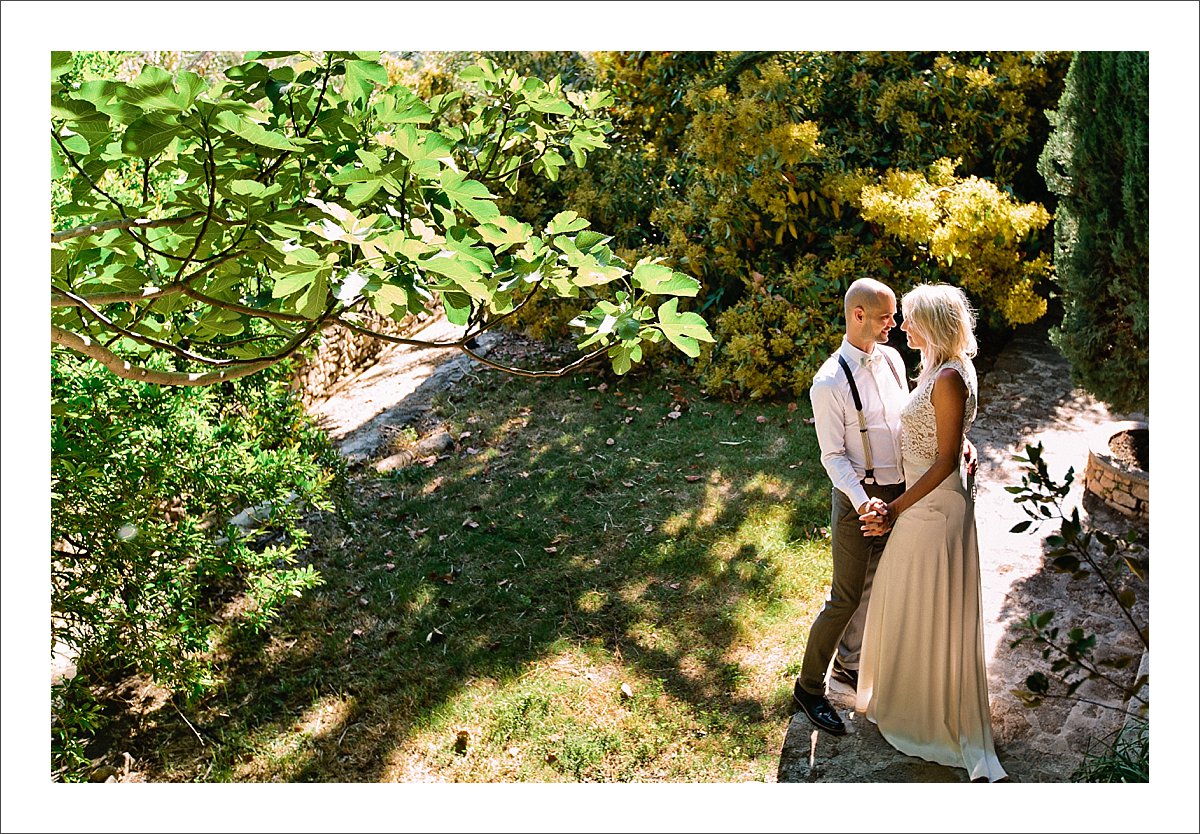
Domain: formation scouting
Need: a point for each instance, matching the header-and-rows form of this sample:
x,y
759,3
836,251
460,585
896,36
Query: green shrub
x,y
1097,160
144,480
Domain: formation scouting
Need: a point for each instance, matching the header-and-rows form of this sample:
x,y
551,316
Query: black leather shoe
x,y
819,711
846,676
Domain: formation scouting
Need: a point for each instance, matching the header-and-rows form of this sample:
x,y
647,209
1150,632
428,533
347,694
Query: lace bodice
x,y
918,426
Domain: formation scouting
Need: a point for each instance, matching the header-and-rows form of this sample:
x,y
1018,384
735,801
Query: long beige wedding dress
x,y
922,679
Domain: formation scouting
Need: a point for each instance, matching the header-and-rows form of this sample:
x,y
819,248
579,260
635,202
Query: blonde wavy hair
x,y
943,318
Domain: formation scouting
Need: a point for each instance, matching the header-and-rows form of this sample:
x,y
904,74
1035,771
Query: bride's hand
x,y
876,519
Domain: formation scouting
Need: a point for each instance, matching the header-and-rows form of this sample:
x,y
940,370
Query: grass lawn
x,y
603,581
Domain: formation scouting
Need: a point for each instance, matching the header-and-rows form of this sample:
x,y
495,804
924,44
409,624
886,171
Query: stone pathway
x,y
395,392
1026,397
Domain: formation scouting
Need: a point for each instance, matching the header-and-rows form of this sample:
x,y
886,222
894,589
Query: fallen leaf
x,y
691,479
760,419
390,566
649,528
792,406
626,691
674,586
464,435
810,420
609,442
471,450
364,602
470,523
436,636
550,549
627,484
358,632
674,415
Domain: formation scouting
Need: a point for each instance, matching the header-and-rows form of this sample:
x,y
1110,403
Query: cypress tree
x,y
1097,160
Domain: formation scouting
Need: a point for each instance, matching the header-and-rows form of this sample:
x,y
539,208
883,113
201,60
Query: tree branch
x,y
564,371
123,369
210,174
133,298
113,297
241,308
147,340
125,223
74,164
461,344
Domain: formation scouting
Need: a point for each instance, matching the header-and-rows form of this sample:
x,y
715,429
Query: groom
x,y
856,398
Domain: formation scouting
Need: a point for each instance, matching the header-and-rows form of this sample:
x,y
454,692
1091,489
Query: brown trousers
x,y
843,618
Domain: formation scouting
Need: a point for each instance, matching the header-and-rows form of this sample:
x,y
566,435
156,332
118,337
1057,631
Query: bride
x,y
922,678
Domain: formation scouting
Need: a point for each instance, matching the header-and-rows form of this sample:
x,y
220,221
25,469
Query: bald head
x,y
870,313
869,294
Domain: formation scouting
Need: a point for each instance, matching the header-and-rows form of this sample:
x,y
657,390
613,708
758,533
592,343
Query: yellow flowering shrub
x,y
775,337
971,228
813,169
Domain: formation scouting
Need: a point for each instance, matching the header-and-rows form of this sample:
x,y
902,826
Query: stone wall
x,y
343,352
1125,490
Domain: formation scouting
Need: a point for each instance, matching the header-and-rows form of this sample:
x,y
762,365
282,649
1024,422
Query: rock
x,y
104,773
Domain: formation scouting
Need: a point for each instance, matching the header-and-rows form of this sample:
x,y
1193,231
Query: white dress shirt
x,y
836,419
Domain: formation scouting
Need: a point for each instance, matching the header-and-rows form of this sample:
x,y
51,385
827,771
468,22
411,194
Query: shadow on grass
x,y
569,521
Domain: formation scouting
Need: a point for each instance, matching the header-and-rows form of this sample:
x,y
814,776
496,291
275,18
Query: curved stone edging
x,y
1121,487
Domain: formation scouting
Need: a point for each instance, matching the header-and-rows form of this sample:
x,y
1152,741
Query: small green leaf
x,y
292,284
566,222
624,354
390,300
361,78
253,133
473,197
457,306
60,62
58,165
504,232
150,135
662,280
1020,527
360,192
685,330
462,271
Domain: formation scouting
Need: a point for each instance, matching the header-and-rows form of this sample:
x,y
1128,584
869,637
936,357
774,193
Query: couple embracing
x,y
903,624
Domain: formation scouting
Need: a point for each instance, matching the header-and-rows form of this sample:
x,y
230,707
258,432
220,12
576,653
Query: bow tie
x,y
868,360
